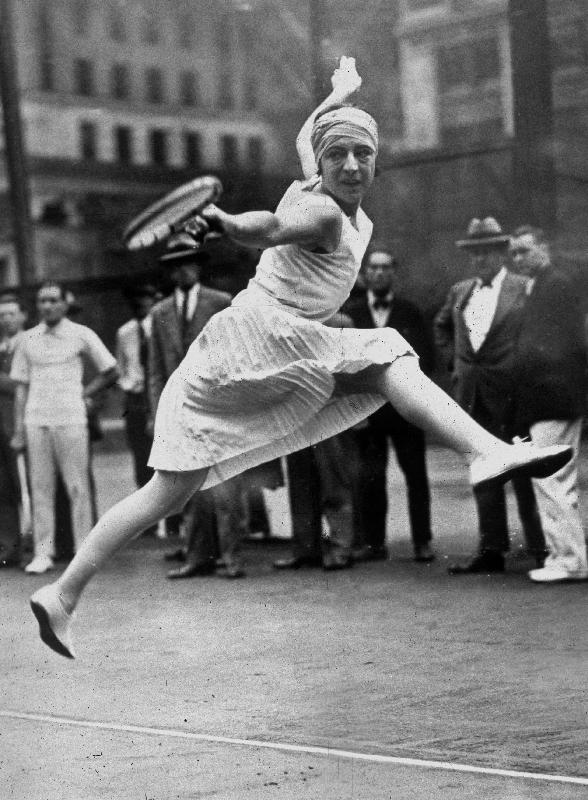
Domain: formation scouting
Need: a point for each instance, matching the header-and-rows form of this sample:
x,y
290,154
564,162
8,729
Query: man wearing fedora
x,y
477,329
176,321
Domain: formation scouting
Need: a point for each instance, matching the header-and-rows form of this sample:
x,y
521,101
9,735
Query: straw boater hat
x,y
484,233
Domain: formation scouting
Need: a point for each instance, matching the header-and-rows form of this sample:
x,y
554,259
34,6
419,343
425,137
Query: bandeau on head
x,y
346,121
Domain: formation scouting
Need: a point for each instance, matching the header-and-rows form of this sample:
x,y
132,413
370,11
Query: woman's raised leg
x,y
424,404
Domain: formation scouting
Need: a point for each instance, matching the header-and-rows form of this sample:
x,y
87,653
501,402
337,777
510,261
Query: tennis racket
x,y
168,214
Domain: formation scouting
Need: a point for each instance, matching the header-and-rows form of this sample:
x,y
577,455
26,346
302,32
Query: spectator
x,y
477,328
132,355
550,397
12,320
51,424
381,306
321,481
176,322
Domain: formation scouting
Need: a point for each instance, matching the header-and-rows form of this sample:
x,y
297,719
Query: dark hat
x,y
182,247
484,233
137,290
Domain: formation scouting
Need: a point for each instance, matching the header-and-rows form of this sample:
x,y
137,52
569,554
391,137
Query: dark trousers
x,y
9,500
139,440
305,504
491,500
492,517
200,519
321,481
372,503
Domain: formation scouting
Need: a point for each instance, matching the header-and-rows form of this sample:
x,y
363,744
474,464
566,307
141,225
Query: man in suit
x,y
551,396
378,307
176,321
12,320
478,328
132,356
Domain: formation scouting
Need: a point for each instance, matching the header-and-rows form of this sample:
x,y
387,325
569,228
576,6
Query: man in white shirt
x,y
51,419
477,329
132,355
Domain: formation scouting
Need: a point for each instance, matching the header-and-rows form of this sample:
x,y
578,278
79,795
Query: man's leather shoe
x,y
424,553
485,562
298,562
191,571
178,554
337,564
231,573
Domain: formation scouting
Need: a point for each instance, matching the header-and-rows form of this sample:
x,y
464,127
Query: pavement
x,y
390,681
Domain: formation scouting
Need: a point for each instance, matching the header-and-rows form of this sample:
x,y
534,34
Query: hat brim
x,y
194,256
485,241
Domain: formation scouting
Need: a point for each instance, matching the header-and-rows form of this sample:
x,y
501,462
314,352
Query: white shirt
x,y
51,362
481,307
128,354
192,300
379,315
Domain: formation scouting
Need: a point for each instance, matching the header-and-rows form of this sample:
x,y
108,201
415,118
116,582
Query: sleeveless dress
x,y
261,379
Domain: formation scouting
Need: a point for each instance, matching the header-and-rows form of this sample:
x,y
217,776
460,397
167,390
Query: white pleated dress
x,y
260,381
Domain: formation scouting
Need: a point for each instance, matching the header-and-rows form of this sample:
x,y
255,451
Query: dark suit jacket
x,y
166,350
406,318
483,379
551,355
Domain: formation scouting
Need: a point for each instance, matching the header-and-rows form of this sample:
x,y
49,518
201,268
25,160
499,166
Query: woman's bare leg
x,y
164,494
423,403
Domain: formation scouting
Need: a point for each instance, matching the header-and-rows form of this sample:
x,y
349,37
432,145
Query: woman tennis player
x,y
266,377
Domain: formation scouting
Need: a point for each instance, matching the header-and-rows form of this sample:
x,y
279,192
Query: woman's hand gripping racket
x,y
176,211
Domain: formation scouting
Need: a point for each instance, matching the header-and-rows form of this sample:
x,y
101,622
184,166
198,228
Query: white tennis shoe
x,y
54,621
39,565
520,458
555,574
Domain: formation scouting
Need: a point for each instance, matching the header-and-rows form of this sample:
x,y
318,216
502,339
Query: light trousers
x,y
557,497
63,448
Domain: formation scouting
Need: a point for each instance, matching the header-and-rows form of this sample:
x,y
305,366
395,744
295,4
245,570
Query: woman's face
x,y
347,170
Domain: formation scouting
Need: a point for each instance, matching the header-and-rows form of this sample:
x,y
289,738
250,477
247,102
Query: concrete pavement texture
x,y
384,682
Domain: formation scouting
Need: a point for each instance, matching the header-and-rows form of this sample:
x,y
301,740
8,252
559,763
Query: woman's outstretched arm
x,y
345,81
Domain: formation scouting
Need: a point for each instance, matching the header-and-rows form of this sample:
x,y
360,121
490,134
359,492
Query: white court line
x,y
294,748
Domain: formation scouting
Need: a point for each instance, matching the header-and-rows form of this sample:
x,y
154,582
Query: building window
x,y
468,63
250,94
117,29
154,85
151,27
88,141
47,71
226,96
83,77
472,134
186,30
255,154
229,152
192,150
189,94
569,44
158,146
123,144
120,84
223,36
81,17
423,5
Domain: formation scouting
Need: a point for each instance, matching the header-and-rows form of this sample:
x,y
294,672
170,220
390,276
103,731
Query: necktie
x,y
144,353
185,319
381,303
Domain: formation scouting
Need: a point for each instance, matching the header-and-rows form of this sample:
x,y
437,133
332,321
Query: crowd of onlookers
x,y
512,336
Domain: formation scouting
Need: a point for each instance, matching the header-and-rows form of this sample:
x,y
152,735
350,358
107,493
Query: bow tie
x,y
383,304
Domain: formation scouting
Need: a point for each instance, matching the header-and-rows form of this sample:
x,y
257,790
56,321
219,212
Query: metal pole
x,y
316,24
533,167
16,160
